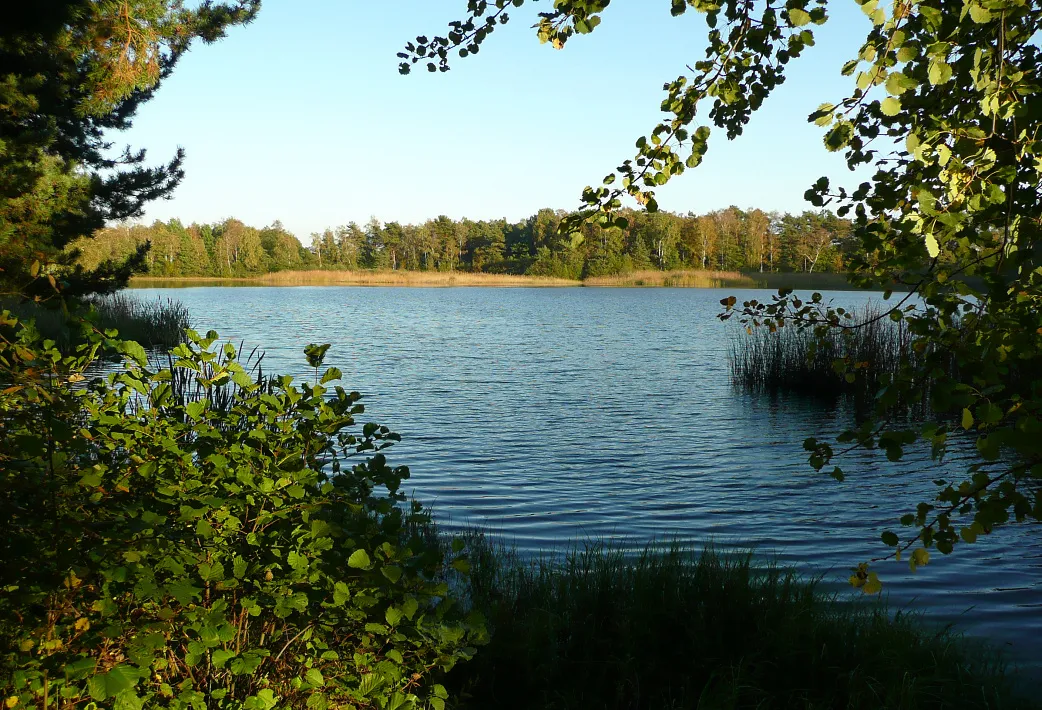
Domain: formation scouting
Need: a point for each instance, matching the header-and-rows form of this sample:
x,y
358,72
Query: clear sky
x,y
302,116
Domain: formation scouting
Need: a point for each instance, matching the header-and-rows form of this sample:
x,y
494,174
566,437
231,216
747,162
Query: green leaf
x,y
341,593
110,684
891,106
939,72
359,559
221,656
890,539
798,17
979,14
134,351
898,83
330,375
393,615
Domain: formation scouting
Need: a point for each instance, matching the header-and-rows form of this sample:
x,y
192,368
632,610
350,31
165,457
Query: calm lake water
x,y
555,415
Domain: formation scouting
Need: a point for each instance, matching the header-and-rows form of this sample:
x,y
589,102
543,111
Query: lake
x,y
555,415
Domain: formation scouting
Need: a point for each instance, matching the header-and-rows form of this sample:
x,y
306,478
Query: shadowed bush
x,y
209,545
675,628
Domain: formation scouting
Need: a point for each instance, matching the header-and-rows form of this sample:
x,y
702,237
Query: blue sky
x,y
303,117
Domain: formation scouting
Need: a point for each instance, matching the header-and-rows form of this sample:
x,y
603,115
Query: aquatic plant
x,y
679,627
155,324
856,362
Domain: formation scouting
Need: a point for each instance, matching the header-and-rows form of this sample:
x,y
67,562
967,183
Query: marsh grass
x,y
680,628
793,360
691,278
363,277
154,324
801,281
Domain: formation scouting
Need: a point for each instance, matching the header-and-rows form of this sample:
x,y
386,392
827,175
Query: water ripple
x,y
554,415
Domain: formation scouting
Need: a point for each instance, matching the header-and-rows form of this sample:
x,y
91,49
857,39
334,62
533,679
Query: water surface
x,y
554,415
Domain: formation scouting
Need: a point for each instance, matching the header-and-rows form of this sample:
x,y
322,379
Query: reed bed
x,y
693,278
793,360
405,278
154,324
677,627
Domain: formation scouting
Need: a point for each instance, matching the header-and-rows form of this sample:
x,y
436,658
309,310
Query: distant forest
x,y
729,239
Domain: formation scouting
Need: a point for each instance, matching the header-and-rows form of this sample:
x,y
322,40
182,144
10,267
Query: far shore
x,y
690,278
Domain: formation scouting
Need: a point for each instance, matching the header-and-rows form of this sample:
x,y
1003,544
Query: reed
x,y
693,278
154,324
677,627
794,360
405,278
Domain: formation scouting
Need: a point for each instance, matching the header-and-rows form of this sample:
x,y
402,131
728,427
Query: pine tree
x,y
73,70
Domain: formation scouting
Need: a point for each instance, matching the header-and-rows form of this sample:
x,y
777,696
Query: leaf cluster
x,y
168,545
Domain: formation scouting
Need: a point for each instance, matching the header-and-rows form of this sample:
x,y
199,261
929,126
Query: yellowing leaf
x,y
967,418
891,106
798,18
919,557
932,247
979,14
873,585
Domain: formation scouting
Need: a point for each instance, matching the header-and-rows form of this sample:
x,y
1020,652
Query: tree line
x,y
728,239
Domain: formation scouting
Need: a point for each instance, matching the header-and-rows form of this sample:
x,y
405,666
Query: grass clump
x,y
688,278
854,362
154,324
677,628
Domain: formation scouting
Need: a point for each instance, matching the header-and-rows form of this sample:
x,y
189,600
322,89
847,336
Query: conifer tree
x,y
72,72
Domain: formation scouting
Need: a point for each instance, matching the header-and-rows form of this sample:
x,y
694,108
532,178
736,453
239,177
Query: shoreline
x,y
689,278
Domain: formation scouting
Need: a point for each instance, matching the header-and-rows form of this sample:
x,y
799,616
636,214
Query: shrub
x,y
160,551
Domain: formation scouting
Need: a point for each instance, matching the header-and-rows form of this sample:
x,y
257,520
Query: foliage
x,y
730,239
74,71
211,551
155,324
946,107
678,628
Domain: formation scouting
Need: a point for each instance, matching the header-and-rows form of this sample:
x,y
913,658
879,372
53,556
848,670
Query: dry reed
x,y
683,279
692,278
406,278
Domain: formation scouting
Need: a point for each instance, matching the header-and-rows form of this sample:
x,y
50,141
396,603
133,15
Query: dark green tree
x,y
71,73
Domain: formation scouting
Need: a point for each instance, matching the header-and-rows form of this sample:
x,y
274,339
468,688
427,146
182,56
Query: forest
x,y
727,239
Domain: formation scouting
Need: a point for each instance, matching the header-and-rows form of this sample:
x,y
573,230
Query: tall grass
x,y
693,278
362,277
155,324
679,628
793,360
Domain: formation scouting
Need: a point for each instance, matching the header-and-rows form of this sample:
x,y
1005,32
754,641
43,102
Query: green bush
x,y
163,552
